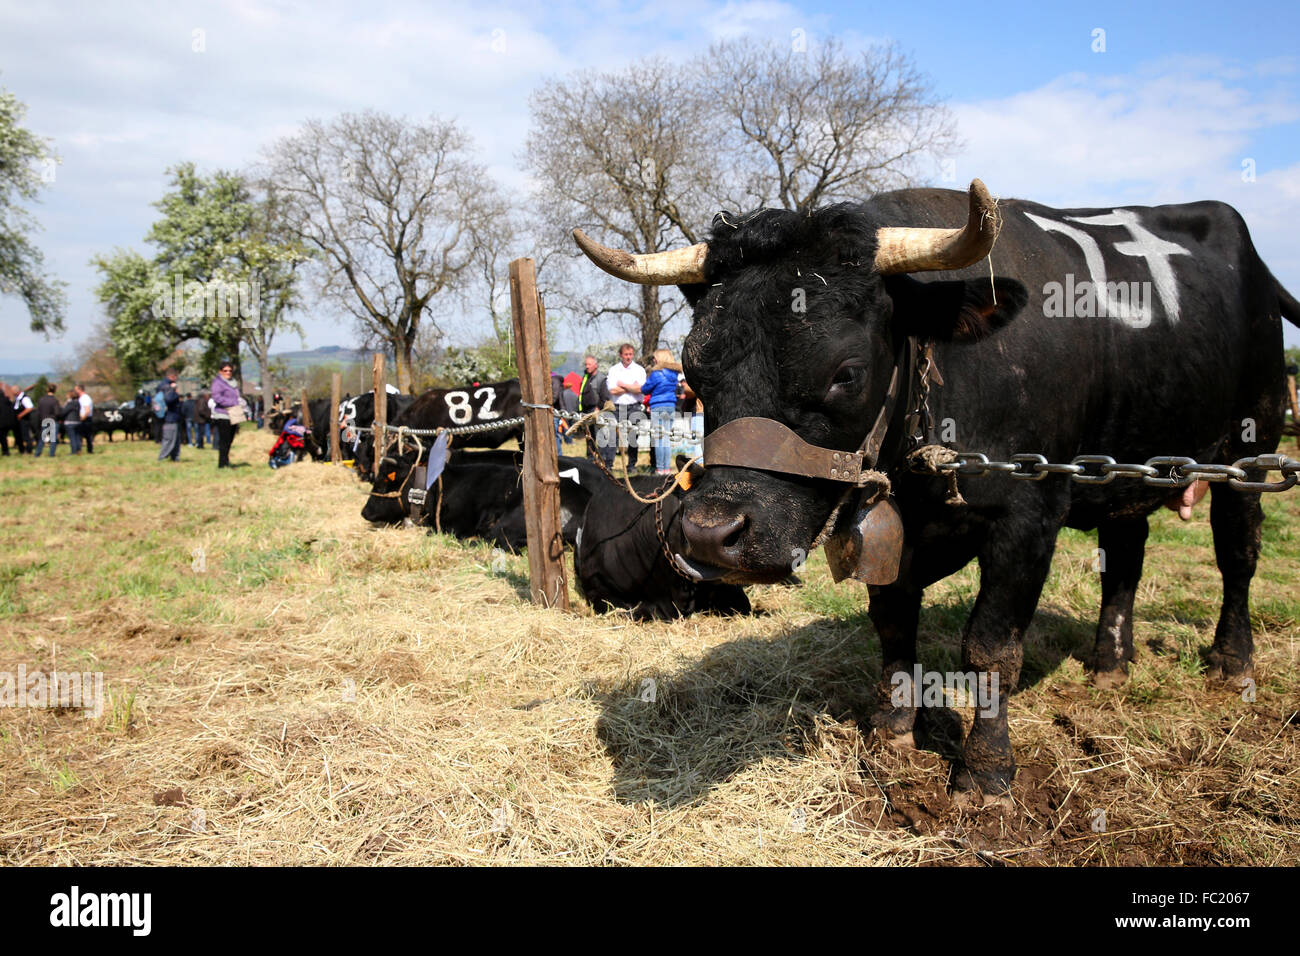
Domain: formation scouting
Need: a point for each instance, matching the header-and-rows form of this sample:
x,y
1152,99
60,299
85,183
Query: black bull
x,y
357,413
797,319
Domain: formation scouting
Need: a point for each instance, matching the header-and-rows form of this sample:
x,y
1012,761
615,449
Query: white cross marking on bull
x,y
1144,245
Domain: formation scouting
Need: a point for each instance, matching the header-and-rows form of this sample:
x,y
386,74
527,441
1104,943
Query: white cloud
x,y
1175,131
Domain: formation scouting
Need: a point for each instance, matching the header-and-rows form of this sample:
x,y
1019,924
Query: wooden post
x,y
304,419
549,584
336,397
1295,403
381,412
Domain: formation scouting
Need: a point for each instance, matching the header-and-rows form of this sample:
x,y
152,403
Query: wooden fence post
x,y
548,582
381,412
336,396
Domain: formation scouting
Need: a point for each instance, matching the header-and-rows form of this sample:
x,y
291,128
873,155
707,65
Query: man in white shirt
x,y
87,408
624,383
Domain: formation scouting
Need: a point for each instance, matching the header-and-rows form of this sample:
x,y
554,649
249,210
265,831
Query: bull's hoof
x,y
972,789
901,742
1108,679
1226,669
894,727
977,800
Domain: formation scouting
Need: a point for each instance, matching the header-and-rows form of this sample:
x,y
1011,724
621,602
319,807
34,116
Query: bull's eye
x,y
848,377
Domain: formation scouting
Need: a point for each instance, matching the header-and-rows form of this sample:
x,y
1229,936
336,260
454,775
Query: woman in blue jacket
x,y
661,386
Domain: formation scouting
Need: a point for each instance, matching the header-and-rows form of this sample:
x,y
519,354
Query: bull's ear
x,y
958,311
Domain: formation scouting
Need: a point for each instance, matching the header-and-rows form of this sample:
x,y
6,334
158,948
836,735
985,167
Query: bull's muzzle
x,y
714,543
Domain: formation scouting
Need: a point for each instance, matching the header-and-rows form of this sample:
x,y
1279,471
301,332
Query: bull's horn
x,y
926,250
674,267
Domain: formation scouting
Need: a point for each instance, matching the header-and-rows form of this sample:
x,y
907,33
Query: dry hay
x,y
326,693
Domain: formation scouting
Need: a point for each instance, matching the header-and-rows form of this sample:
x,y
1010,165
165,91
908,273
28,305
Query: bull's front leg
x,y
1013,567
895,611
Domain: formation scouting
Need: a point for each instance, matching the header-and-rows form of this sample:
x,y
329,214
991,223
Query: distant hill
x,y
300,361
17,374
297,361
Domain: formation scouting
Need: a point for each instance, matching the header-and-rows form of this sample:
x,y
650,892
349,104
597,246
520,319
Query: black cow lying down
x,y
481,496
620,563
580,481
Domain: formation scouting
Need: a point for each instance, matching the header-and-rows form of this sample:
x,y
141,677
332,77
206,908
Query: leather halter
x,y
764,444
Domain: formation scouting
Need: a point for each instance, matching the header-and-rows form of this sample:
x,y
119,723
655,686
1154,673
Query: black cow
x,y
580,481
802,318
131,421
109,417
481,495
475,491
620,563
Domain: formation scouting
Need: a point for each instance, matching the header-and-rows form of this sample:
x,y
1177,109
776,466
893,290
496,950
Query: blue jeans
x,y
661,420
48,435
74,436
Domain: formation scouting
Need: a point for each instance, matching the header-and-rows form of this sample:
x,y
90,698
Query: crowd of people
x,y
633,398
35,425
211,417
629,397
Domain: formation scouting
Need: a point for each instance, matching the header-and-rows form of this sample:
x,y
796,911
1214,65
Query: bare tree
x,y
491,286
801,129
394,209
625,156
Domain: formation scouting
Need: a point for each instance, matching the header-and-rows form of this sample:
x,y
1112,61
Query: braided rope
x,y
410,471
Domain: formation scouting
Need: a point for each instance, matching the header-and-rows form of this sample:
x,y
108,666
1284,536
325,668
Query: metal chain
x,y
455,430
672,434
653,431
1163,471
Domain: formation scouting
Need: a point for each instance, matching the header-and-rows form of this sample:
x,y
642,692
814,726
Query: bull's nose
x,y
718,543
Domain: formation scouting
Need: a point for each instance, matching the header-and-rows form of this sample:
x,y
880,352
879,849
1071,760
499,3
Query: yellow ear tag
x,y
684,479
392,476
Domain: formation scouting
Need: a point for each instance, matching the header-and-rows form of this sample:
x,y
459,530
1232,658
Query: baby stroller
x,y
288,448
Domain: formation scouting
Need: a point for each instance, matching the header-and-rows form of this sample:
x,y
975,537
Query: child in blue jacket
x,y
661,386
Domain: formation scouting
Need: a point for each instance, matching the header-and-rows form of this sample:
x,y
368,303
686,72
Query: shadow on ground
x,y
753,699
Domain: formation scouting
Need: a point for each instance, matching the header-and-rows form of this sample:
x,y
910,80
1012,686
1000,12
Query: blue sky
x,y
1181,96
